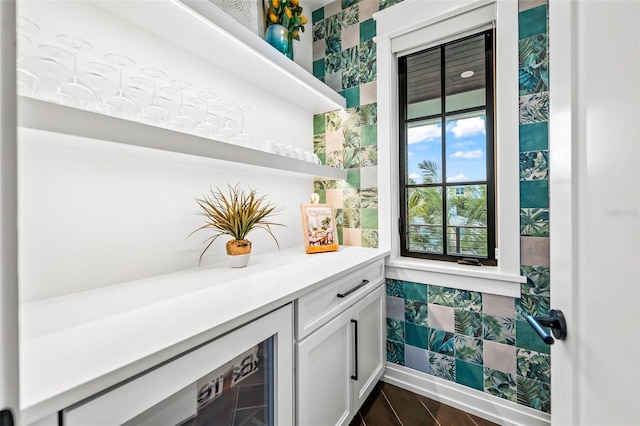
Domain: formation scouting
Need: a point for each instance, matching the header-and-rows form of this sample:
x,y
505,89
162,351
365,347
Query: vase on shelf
x,y
278,36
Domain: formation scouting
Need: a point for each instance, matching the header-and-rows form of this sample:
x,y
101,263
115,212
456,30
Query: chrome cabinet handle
x,y
362,284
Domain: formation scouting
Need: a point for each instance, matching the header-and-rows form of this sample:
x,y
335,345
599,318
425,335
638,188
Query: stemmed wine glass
x,y
100,72
125,105
57,56
143,86
205,127
243,138
27,81
181,121
75,88
155,109
226,131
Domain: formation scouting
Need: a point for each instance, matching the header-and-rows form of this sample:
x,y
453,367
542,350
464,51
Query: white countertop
x,y
75,346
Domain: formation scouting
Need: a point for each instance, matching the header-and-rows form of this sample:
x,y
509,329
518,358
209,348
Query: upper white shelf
x,y
41,115
208,33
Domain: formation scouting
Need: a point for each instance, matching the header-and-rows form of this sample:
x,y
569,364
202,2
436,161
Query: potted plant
x,y
236,212
284,23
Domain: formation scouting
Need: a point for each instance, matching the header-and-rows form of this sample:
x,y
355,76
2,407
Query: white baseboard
x,y
464,398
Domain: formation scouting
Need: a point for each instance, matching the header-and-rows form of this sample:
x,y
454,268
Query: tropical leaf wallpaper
x,y
494,352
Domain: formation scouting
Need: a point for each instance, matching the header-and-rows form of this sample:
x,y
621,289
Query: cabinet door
x,y
324,367
370,328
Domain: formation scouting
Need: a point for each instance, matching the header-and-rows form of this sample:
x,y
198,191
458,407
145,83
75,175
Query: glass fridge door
x,y
242,378
240,392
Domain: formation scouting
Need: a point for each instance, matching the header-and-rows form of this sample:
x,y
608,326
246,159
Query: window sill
x,y
485,279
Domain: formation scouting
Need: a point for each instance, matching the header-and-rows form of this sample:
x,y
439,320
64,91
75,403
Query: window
x,y
447,180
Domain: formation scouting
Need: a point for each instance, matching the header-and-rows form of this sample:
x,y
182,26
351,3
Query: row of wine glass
x,y
56,72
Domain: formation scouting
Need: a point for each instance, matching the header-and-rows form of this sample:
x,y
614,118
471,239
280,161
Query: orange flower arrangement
x,y
289,14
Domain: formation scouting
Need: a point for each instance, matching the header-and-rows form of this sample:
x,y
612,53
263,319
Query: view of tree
x,y
466,215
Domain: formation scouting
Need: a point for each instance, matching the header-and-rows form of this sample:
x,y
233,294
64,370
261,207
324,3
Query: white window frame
x,y
415,25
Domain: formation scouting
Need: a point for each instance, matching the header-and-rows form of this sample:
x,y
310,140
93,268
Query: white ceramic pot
x,y
239,260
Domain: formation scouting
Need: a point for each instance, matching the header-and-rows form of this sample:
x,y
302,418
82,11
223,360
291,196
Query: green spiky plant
x,y
236,213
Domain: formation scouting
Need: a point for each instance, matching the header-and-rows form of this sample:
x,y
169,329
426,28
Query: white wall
x,y
93,214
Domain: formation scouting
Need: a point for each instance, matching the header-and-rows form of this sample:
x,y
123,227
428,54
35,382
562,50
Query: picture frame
x,y
319,228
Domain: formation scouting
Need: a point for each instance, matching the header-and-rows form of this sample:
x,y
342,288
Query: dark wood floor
x,y
390,405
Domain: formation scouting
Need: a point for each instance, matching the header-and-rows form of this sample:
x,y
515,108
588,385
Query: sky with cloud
x,y
465,149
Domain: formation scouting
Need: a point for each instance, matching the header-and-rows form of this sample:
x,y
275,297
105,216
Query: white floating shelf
x,y
202,29
46,116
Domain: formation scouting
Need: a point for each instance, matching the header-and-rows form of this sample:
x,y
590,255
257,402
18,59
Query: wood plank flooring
x,y
390,405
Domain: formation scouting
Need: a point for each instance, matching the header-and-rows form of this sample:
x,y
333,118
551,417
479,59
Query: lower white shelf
x,y
46,116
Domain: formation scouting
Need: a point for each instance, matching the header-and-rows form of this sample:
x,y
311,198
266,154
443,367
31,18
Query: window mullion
x,y
444,144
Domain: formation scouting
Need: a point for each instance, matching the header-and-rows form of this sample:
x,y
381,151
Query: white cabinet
x,y
339,364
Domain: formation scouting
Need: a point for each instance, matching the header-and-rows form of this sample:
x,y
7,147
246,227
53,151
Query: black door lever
x,y
555,321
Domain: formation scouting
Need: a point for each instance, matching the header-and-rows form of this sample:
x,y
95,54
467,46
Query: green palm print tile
x,y
387,3
444,296
333,24
468,323
320,143
443,366
534,394
537,280
534,365
318,30
350,68
334,120
369,156
533,73
468,300
349,3
333,63
351,198
441,341
369,198
528,304
332,44
534,222
368,114
468,348
395,288
395,352
351,218
534,165
534,108
367,62
415,312
395,330
370,238
499,329
351,16
500,384
351,136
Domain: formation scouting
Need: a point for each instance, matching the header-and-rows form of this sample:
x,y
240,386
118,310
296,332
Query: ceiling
x,y
423,79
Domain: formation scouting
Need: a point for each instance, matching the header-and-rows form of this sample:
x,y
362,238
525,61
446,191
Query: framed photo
x,y
319,228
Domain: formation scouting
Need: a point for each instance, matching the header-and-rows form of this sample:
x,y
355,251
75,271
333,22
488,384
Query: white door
x,y
8,226
595,210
